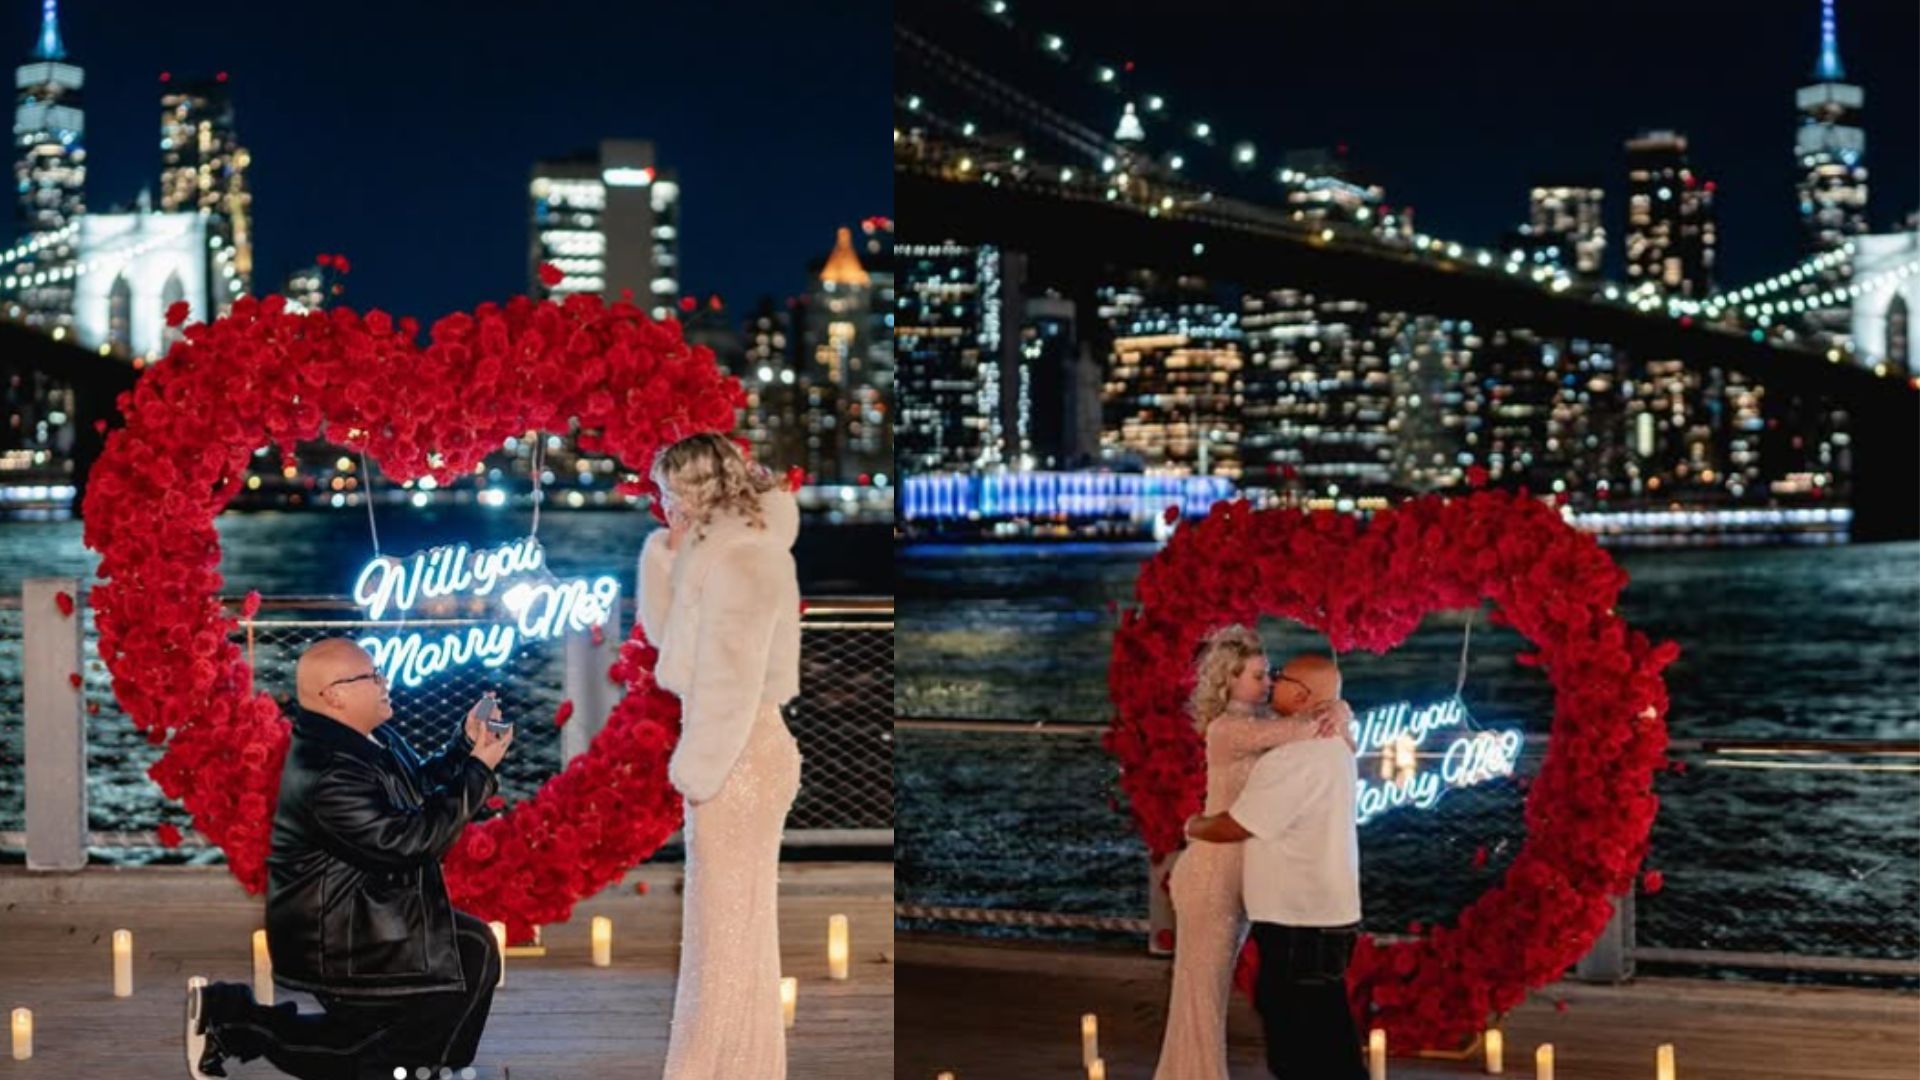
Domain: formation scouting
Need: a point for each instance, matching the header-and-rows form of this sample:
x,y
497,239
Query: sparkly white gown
x,y
726,1009
1210,921
725,613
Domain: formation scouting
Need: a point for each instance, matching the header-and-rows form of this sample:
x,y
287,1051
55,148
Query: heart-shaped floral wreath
x,y
1588,811
263,375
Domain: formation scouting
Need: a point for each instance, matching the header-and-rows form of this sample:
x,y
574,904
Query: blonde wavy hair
x,y
707,474
1223,654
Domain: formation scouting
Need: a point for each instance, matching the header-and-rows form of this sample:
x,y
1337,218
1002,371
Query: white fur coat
x,y
724,611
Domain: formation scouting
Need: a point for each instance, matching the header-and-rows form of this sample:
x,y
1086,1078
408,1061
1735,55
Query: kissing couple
x,y
1275,853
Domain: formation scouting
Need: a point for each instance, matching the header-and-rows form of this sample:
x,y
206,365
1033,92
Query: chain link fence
x,y
842,721
1021,830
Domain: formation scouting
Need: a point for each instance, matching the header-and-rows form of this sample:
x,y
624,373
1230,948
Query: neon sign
x,y
539,605
1396,732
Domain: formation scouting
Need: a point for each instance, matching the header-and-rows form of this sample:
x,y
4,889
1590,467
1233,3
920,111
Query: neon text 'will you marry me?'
x,y
541,606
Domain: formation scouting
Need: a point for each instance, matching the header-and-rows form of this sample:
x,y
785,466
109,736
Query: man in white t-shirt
x,y
1301,884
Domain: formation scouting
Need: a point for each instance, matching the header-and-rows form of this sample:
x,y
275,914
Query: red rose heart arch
x,y
1589,810
263,375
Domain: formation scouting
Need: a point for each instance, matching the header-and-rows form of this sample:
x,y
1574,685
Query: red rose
x,y
496,802
1171,514
550,275
341,264
64,601
169,835
1652,882
1476,476
250,606
74,678
796,476
177,313
640,887
563,714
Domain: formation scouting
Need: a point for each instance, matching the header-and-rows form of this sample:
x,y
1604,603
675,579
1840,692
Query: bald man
x,y
1300,880
357,911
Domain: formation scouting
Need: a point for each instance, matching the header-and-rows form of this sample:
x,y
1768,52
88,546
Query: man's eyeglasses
x,y
356,678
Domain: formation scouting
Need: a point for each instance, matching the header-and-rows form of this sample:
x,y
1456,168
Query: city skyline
x,y
767,140
1441,136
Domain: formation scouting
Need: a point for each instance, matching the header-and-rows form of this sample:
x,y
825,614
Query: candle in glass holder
x,y
1376,1055
500,938
1089,1039
837,947
1543,1062
1097,1070
123,963
22,1034
789,998
602,941
944,1076
262,969
1496,1052
1663,1061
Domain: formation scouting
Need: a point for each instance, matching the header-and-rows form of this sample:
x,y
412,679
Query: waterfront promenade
x,y
985,1011
557,1018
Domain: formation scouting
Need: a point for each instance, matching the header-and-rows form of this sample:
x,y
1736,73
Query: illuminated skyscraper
x,y
959,325
1439,413
1318,395
307,287
858,377
50,173
1565,222
203,168
1670,219
1173,382
771,420
609,220
1831,148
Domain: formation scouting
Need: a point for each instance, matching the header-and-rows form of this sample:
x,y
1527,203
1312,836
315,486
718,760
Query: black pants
x,y
1301,993
365,1038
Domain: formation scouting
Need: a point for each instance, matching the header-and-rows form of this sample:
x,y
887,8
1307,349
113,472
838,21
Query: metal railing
x,y
842,718
1799,858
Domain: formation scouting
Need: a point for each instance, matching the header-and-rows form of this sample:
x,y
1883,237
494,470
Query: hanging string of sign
x,y
366,477
1398,730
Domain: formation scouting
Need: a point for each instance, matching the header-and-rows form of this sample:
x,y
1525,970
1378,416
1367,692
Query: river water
x,y
1777,643
318,554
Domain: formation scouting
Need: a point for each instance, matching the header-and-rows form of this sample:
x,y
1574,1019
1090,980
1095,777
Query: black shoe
x,y
204,1058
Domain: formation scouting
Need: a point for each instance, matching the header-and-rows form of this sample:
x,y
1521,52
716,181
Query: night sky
x,y
1457,108
402,134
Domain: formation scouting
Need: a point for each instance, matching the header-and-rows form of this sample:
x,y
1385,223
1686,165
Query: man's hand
x,y
474,725
488,747
1216,829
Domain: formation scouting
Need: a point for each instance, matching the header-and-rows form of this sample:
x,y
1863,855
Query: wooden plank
x,y
991,1010
558,1016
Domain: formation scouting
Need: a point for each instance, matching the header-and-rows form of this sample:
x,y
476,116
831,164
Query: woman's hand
x,y
676,529
1333,720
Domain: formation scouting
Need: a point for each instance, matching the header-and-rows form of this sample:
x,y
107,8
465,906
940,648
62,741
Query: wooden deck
x,y
558,1017
989,1011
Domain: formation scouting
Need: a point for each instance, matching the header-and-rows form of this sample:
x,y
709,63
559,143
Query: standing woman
x,y
719,599
1231,710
